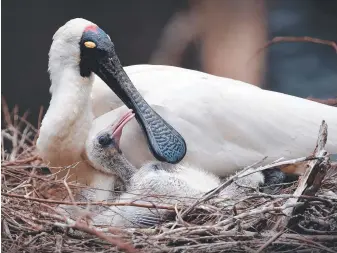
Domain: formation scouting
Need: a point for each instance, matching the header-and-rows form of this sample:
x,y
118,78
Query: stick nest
x,y
299,217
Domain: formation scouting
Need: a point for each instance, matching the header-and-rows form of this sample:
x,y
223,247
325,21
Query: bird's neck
x,y
122,167
68,120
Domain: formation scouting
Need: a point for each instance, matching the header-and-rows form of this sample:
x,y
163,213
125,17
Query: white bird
x,y
239,122
156,183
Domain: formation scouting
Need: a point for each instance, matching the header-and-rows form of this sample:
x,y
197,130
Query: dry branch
x,y
280,39
310,182
84,203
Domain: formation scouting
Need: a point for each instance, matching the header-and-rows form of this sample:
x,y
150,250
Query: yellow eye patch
x,y
89,44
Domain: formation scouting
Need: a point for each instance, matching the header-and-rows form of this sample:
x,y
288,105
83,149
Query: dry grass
x,y
30,222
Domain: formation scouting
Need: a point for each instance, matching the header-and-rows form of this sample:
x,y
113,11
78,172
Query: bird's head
x,y
82,46
104,150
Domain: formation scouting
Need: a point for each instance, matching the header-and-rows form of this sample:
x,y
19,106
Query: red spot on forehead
x,y
92,28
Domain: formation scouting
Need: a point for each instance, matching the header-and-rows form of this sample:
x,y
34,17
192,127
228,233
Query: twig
x,y
6,230
70,194
278,164
309,174
315,231
35,238
326,200
27,160
58,244
303,239
281,39
197,230
243,173
258,211
39,121
270,241
98,203
6,111
121,245
332,238
215,191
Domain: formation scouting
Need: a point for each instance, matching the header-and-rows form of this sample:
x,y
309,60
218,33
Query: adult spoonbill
x,y
239,122
156,182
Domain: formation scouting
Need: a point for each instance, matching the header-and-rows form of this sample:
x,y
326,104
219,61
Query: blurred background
x,y
221,37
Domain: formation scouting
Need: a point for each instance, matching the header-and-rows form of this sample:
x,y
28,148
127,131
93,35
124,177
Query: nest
x,y
300,217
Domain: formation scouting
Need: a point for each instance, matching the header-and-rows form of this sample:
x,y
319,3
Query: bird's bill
x,y
153,125
112,73
117,128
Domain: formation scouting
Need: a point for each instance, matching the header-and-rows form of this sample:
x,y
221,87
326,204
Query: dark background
x,y
301,69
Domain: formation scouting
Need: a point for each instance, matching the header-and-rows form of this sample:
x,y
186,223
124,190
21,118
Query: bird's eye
x,y
89,44
104,140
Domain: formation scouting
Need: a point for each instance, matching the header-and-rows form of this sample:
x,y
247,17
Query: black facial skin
x,y
106,141
165,143
91,58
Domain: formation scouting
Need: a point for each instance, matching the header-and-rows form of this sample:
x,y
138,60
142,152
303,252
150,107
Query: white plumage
x,y
155,183
227,124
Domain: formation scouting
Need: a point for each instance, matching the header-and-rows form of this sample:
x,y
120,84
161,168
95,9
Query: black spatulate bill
x,y
164,141
99,56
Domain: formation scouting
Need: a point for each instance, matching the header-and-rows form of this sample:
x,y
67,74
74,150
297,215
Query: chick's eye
x,y
104,140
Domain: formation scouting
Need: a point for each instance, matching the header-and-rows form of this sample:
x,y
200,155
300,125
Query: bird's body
x,y
240,123
155,183
161,184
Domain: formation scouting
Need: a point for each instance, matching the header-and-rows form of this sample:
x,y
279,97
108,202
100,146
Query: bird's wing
x,y
226,124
